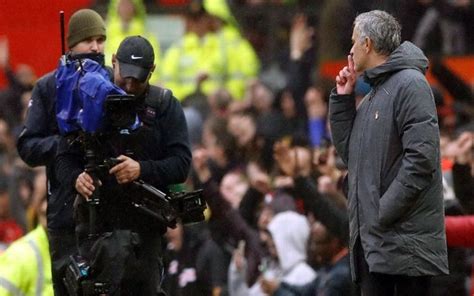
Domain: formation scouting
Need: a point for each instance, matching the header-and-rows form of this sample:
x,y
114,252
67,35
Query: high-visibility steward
x,y
189,57
225,56
241,61
25,267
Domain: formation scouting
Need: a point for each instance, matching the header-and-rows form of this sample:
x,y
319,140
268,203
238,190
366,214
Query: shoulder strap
x,y
158,98
156,101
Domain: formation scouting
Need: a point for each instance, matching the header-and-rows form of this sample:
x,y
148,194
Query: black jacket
x,y
37,146
162,149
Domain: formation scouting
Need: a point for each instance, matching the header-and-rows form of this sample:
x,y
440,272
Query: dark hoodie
x,y
391,146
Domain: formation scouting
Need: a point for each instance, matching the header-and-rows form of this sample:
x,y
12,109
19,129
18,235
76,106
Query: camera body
x,y
120,117
189,206
186,207
120,112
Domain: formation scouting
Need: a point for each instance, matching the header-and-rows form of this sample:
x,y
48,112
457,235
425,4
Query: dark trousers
x,y
130,262
143,276
62,244
378,284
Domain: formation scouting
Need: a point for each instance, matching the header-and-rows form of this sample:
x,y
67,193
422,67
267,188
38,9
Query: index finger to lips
x,y
350,62
346,72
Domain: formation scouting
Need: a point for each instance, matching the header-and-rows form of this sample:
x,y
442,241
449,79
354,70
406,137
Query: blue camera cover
x,y
82,88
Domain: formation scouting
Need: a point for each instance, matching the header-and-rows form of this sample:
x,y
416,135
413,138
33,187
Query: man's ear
x,y
114,60
150,73
367,44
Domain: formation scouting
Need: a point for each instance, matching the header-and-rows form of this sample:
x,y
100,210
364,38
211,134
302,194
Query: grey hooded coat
x,y
391,146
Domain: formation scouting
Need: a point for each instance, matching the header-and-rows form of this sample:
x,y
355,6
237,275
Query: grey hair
x,y
380,27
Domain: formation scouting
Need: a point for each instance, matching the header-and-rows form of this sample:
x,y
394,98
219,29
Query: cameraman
x,y
157,152
38,141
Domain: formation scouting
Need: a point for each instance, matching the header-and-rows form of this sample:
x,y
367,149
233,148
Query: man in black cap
x,y
38,141
133,64
160,156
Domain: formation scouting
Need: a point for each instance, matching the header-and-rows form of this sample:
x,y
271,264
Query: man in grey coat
x,y
390,142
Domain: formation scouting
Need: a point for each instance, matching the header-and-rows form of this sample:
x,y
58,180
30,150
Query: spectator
x,y
316,106
450,16
19,82
463,176
22,188
240,60
290,233
9,229
229,222
332,258
463,95
220,147
302,62
193,63
294,162
25,267
195,264
7,147
286,241
335,24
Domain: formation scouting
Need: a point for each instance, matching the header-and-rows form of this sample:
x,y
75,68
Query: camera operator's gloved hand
x,y
126,171
85,185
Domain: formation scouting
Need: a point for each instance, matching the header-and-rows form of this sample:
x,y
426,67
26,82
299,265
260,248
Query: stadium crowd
x,y
277,221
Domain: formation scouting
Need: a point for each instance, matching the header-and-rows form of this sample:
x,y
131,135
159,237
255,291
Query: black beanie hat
x,y
84,23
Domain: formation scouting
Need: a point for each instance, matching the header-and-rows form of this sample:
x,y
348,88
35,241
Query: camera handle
x,y
153,190
92,168
124,134
94,200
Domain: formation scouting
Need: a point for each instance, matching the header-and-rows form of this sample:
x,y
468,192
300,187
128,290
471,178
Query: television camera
x,y
90,108
119,116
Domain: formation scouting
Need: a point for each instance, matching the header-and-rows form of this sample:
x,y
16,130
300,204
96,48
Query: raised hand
x,y
464,145
300,37
259,179
345,81
294,161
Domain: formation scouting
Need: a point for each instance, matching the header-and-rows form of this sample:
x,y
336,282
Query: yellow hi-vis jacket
x,y
186,59
25,267
242,63
225,56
